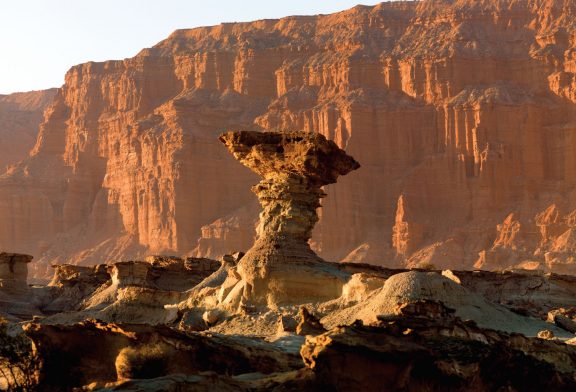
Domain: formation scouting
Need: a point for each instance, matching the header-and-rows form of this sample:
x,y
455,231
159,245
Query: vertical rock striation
x,y
466,109
20,117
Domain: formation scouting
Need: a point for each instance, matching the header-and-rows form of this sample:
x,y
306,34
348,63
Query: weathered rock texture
x,y
413,286
129,291
564,318
117,352
424,347
294,166
461,113
14,273
20,117
15,296
420,330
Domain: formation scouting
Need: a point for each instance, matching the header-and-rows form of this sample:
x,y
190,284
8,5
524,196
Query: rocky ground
x,y
118,328
280,318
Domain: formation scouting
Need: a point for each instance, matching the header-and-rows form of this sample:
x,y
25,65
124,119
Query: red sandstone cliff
x,y
461,113
20,116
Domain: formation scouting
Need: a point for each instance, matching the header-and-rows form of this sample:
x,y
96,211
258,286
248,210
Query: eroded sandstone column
x,y
294,166
14,273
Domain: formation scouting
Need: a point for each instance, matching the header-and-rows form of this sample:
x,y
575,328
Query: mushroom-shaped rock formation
x,y
14,291
14,273
280,267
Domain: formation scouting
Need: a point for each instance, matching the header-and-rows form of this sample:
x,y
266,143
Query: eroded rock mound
x,y
70,285
423,330
125,291
280,266
424,347
128,351
414,286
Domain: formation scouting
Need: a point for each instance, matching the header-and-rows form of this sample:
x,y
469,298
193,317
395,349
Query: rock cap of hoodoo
x,y
299,153
11,258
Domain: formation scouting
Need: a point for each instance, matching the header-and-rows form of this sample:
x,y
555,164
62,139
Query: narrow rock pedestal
x,y
15,298
14,273
281,267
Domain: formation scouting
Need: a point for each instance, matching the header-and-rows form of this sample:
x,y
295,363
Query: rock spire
x,y
294,166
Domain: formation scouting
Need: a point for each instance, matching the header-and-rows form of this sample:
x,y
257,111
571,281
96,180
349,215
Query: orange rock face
x,y
20,116
463,110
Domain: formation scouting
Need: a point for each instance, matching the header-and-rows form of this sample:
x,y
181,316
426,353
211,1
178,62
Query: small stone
x,y
450,275
309,324
211,316
563,318
192,321
237,256
546,334
287,324
228,259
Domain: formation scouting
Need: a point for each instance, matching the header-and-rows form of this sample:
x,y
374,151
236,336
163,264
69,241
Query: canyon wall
x,y
20,116
462,114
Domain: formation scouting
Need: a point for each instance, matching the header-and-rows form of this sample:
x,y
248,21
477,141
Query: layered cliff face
x,y
460,113
20,116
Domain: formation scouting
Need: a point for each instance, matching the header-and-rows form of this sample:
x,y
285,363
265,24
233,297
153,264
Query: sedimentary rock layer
x,y
460,112
280,266
132,351
14,273
20,117
422,347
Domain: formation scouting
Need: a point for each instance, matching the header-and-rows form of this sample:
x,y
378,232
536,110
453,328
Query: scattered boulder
x,y
233,258
286,324
309,324
192,321
211,316
563,318
546,334
450,275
